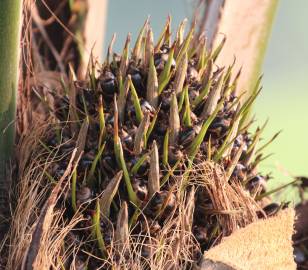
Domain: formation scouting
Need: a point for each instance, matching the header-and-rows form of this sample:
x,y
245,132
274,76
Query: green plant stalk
x,y
200,137
203,93
10,26
94,164
165,147
136,101
139,163
97,230
131,193
165,75
268,193
187,117
151,127
181,98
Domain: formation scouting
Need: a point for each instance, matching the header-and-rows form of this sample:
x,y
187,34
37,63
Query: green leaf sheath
x,y
10,25
10,22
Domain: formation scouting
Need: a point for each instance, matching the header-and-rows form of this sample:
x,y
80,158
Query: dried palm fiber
x,y
264,244
28,197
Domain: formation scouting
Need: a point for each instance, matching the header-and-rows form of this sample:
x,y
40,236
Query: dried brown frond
x,y
30,196
232,204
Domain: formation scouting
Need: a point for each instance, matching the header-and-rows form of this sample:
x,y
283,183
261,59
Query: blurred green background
x,y
284,99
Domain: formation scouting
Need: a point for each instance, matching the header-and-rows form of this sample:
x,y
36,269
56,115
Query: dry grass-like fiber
x,y
171,249
234,206
31,193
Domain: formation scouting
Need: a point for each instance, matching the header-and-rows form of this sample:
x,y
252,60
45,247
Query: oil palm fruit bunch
x,y
152,127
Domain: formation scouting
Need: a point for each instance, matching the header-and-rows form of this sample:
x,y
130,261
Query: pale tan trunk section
x,y
262,245
95,25
247,25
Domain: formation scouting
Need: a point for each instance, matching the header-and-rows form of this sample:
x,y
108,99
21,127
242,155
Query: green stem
x,y
10,26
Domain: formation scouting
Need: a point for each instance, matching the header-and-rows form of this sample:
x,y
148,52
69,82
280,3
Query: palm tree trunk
x,y
94,29
247,26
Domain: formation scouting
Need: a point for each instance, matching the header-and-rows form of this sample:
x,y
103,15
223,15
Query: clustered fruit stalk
x,y
10,26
